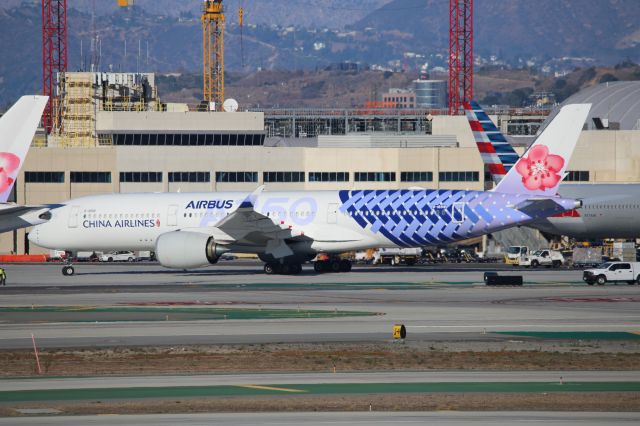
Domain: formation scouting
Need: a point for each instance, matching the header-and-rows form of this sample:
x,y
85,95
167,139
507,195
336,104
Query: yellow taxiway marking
x,y
80,308
271,388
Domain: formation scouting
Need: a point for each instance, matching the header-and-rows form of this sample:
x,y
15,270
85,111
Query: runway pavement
x,y
450,418
317,378
433,302
246,272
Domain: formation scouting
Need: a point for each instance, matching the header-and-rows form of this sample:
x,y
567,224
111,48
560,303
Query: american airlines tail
x,y
496,152
543,166
17,127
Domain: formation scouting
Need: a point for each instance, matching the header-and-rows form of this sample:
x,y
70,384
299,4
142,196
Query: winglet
x,y
17,127
250,201
541,169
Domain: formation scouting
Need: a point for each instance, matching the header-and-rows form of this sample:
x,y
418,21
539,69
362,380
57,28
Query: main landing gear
x,y
272,268
332,265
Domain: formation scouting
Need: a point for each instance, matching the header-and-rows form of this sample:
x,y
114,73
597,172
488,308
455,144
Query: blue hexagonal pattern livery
x,y
414,218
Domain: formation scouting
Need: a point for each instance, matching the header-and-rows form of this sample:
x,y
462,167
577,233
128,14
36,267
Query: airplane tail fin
x,y
497,154
17,127
543,166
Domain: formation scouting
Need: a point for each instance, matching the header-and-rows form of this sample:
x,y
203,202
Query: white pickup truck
x,y
548,258
613,272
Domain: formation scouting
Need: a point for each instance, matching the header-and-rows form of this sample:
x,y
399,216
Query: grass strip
x,y
313,389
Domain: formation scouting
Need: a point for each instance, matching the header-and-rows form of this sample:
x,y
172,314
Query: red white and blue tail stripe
x,y
497,154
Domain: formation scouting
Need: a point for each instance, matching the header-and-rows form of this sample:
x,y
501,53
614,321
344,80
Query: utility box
x,y
399,331
504,280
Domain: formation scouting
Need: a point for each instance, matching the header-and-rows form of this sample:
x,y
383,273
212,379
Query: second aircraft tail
x,y
17,127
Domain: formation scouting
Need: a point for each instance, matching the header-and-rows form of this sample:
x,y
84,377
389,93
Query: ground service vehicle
x,y
548,258
515,254
397,256
118,256
628,272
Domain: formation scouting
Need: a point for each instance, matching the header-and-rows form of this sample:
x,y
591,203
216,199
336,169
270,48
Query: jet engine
x,y
184,250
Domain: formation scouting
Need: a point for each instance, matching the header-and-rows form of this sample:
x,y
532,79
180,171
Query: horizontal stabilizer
x,y
541,207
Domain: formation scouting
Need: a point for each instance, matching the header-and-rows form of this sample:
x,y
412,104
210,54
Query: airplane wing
x,y
246,226
13,216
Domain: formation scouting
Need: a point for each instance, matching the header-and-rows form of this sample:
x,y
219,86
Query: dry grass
x,y
301,357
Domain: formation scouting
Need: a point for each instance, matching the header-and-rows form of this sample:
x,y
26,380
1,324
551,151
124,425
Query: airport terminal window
x,y
189,177
186,139
459,176
375,176
236,176
283,176
90,177
577,176
44,177
140,176
328,176
416,176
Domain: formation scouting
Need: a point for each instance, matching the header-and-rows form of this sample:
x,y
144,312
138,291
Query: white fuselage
x,y
135,221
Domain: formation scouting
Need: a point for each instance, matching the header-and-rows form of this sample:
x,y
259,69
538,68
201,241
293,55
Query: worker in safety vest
x,y
3,277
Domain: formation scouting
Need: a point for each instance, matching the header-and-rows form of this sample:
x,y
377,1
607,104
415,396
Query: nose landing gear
x,y
68,270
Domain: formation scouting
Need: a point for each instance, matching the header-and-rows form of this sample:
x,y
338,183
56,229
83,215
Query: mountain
x,y
604,30
543,36
305,13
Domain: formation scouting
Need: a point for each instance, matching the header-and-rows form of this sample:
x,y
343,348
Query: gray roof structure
x,y
617,101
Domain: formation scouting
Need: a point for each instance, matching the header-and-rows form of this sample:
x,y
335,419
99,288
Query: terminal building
x,y
132,142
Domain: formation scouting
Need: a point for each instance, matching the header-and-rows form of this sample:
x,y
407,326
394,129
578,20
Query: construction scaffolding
x,y
82,94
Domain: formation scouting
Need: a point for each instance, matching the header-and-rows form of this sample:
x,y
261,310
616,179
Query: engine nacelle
x,y
184,250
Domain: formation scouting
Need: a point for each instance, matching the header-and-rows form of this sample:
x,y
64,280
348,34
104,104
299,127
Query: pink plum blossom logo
x,y
9,163
540,170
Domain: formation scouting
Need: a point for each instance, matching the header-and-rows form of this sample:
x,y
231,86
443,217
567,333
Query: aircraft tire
x,y
269,268
335,266
68,270
296,268
319,266
345,265
285,269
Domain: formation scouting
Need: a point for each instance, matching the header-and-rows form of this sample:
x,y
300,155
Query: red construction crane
x,y
460,54
54,51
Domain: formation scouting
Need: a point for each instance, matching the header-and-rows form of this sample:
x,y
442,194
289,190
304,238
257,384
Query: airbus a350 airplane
x,y
286,229
17,127
608,210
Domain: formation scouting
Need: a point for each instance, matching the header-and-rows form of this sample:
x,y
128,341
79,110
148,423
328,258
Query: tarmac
x,y
145,304
108,305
